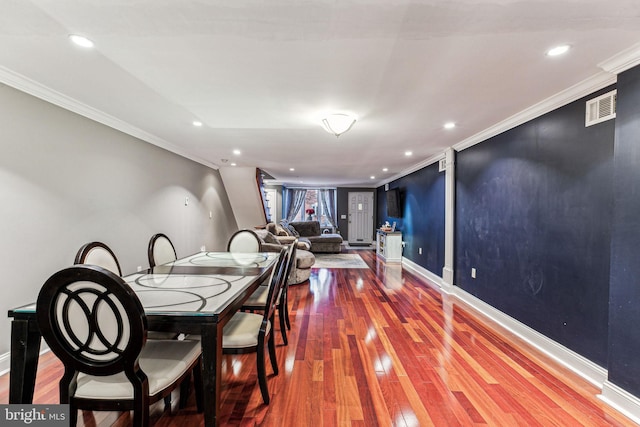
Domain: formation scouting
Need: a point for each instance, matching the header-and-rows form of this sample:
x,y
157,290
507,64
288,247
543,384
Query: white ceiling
x,y
259,74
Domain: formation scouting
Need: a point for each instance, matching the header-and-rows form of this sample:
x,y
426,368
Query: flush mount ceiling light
x,y
449,125
81,40
337,124
196,123
558,50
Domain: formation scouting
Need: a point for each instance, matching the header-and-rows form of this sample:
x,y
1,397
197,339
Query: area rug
x,y
339,261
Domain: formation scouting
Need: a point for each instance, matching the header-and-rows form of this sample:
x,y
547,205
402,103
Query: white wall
x,y
244,195
66,180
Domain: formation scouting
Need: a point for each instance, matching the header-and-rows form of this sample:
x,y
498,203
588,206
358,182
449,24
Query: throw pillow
x,y
280,231
293,230
285,227
270,238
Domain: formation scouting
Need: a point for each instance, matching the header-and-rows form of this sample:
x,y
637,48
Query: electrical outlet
x,y
473,273
203,248
139,268
419,251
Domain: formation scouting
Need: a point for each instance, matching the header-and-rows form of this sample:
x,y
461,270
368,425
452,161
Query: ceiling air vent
x,y
601,108
442,165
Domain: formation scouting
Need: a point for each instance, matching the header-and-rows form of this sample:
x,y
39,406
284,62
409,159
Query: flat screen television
x,y
393,203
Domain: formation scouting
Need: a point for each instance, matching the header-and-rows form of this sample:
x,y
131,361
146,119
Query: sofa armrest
x,y
270,247
286,240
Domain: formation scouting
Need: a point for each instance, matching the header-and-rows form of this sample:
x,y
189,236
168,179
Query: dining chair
x,y
98,253
249,332
244,241
161,250
95,324
256,301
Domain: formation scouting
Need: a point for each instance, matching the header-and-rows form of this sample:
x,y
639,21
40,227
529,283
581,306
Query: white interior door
x,y
361,217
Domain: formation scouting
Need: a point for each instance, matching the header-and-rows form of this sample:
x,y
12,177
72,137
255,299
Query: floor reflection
x,y
390,275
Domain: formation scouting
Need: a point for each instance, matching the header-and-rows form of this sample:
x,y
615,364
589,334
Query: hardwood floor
x,y
379,346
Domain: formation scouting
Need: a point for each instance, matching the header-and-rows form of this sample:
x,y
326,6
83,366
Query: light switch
x,y
343,217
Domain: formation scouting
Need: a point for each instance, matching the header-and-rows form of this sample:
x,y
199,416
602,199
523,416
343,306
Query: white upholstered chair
x,y
98,253
258,299
249,332
244,241
161,250
95,324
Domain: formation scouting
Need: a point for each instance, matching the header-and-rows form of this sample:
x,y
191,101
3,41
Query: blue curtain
x,y
295,202
328,202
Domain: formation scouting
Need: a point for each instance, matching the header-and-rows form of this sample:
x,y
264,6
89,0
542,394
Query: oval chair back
x,y
97,253
244,241
161,250
95,324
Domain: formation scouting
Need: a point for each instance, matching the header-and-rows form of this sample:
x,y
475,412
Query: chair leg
x,y
73,416
283,326
272,353
185,389
262,375
286,307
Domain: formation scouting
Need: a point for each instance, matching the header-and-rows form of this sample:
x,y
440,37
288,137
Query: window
x,y
313,210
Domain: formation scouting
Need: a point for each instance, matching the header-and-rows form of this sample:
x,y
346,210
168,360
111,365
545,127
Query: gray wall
x,y
66,180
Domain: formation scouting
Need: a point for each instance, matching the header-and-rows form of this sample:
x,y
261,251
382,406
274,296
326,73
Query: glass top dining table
x,y
197,294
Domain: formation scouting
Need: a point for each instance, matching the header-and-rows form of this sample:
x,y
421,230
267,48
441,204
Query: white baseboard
x,y
582,366
621,400
4,363
430,277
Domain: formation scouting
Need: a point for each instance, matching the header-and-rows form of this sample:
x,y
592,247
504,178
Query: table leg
x,y
25,349
211,372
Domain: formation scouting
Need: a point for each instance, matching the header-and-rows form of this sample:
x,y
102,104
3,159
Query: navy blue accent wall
x,y
533,216
624,309
423,210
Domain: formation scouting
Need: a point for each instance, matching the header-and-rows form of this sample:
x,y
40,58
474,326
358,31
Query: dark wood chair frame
x,y
84,251
151,248
265,334
244,230
75,362
283,302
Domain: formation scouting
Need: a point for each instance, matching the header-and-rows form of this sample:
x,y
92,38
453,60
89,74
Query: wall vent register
x,y
601,109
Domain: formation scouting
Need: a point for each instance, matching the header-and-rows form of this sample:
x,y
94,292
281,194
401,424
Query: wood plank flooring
x,y
380,347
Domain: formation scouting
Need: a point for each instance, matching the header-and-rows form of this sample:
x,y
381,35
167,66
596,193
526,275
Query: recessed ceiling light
x,y
81,40
197,123
236,152
233,164
385,169
449,125
558,50
372,177
292,169
408,153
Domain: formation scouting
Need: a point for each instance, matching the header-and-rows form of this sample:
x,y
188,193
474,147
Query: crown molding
x,y
573,93
31,87
577,91
622,61
427,162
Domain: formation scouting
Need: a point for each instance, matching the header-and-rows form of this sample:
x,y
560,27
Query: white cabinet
x,y
389,245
